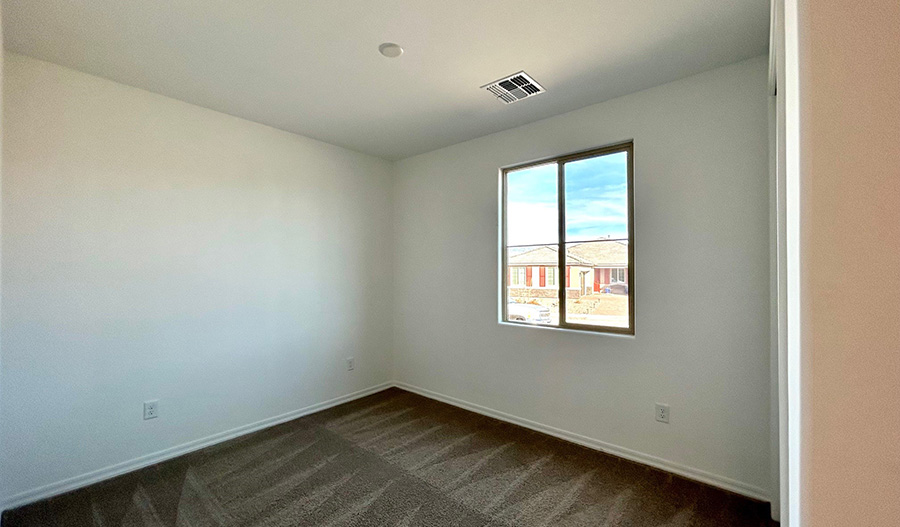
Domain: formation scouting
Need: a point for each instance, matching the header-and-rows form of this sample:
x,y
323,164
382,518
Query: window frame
x,y
625,146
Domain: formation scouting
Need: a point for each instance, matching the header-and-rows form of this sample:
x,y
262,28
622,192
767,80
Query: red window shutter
x,y
528,276
543,276
597,282
568,276
606,276
508,276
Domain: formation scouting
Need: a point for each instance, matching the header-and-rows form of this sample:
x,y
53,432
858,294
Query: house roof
x,y
601,253
592,254
543,256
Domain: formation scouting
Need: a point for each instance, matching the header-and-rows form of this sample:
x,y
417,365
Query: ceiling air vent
x,y
514,88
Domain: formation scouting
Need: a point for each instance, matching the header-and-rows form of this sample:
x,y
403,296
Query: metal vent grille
x,y
514,88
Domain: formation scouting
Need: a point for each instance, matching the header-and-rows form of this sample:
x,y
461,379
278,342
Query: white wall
x,y
849,119
701,281
154,249
157,250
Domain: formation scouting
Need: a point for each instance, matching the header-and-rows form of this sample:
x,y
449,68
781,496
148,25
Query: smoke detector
x,y
514,88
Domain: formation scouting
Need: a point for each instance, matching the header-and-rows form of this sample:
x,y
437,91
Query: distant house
x,y
590,267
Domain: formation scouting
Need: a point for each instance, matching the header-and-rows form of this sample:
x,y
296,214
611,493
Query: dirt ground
x,y
596,304
599,304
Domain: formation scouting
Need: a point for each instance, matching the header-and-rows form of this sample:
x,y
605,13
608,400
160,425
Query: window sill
x,y
566,330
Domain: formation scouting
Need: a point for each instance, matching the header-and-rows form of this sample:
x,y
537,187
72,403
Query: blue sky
x,y
596,201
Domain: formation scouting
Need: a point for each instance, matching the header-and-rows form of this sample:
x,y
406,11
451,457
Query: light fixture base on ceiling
x,y
390,50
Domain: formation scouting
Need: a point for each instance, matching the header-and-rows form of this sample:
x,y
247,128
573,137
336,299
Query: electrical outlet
x,y
350,364
662,413
151,409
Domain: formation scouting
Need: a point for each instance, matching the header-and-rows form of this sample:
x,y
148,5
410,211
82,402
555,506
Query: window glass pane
x,y
597,219
596,285
594,277
532,215
530,296
597,198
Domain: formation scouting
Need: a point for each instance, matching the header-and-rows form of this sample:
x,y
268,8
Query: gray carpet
x,y
400,460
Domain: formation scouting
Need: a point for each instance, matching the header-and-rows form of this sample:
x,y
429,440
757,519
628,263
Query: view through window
x,y
589,261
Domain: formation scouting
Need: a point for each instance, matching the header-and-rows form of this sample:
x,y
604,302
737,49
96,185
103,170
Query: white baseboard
x,y
118,469
738,487
112,471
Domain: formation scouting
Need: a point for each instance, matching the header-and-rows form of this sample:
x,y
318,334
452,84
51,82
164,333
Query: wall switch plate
x,y
151,409
662,413
350,364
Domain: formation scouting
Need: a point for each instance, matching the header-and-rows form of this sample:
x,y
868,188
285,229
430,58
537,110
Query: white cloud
x,y
529,223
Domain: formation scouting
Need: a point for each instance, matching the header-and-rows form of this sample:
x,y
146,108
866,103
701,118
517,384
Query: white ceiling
x,y
313,68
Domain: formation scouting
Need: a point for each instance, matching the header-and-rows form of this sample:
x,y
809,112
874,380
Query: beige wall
x,y
850,232
2,133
